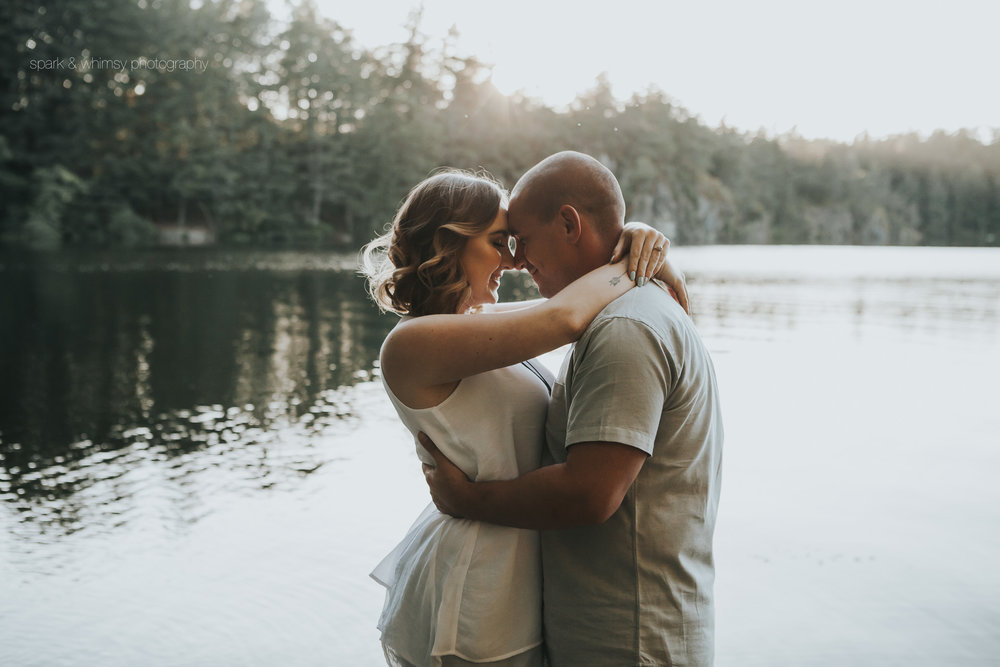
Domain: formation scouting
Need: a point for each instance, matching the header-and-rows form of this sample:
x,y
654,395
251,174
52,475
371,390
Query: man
x,y
628,495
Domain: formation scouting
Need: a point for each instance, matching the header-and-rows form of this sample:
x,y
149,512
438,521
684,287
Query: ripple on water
x,y
220,533
173,471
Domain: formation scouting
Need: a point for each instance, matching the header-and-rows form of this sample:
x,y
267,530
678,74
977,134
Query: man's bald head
x,y
575,179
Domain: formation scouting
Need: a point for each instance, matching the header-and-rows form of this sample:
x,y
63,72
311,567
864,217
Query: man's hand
x,y
448,484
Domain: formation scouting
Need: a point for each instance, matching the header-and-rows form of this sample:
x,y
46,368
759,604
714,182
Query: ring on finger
x,y
658,249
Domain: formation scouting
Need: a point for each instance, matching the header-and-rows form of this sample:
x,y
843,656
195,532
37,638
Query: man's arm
x,y
587,489
615,403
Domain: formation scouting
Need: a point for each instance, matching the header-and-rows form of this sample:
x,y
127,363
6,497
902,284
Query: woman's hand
x,y
647,248
647,251
676,285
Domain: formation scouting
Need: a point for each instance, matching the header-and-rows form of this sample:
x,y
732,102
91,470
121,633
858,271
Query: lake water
x,y
198,465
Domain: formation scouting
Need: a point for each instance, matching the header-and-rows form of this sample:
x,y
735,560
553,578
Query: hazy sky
x,y
829,69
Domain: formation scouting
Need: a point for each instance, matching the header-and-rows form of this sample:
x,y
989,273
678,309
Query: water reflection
x,y
774,309
176,425
773,292
123,374
115,381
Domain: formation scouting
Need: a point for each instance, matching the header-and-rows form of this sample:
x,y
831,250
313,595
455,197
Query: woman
x,y
462,592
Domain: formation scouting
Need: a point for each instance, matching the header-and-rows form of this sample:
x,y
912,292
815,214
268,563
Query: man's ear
x,y
572,224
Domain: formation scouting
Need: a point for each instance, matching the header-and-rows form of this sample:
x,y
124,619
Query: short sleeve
x,y
619,385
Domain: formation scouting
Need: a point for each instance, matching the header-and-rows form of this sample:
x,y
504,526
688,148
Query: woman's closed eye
x,y
503,243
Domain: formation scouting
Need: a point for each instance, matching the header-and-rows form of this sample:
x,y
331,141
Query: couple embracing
x,y
573,516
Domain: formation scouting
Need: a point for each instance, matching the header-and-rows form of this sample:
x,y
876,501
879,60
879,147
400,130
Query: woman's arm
x,y
434,350
512,305
647,252
648,258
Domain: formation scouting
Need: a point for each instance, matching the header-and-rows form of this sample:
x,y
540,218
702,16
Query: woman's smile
x,y
484,259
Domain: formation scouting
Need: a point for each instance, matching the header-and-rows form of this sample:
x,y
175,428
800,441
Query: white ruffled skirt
x,y
462,592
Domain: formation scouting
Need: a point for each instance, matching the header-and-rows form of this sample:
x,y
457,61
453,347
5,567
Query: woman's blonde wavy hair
x,y
414,269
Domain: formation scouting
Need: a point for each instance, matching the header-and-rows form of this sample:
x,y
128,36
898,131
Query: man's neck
x,y
594,252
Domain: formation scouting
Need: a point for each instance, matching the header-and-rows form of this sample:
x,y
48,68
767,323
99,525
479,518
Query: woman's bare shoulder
x,y
405,354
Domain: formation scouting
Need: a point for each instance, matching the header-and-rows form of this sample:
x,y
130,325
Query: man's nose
x,y
507,260
519,261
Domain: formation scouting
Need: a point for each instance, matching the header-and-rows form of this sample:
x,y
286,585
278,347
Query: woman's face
x,y
483,259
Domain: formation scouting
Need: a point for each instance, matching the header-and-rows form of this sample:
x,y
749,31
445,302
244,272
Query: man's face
x,y
541,249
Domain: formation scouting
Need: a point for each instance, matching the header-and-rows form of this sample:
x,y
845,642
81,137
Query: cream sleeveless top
x,y
461,587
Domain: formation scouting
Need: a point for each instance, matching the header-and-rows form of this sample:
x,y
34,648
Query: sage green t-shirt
x,y
637,589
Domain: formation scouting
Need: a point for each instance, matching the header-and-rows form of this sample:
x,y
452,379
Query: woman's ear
x,y
572,224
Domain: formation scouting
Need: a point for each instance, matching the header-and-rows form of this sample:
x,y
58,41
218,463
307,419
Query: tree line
x,y
120,115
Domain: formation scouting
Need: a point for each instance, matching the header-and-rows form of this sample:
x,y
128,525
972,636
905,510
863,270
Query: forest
x,y
121,117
